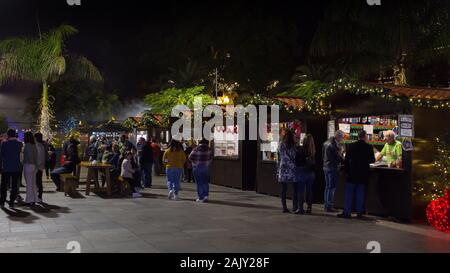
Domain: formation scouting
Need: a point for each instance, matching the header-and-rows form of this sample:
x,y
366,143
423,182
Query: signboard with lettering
x,y
331,128
406,126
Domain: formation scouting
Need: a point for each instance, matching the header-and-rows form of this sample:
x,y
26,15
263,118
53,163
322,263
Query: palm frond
x,y
79,67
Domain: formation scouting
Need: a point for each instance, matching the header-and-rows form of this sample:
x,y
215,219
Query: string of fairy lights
x,y
318,104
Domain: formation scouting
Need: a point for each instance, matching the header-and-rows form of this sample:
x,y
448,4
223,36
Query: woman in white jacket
x,y
127,173
30,162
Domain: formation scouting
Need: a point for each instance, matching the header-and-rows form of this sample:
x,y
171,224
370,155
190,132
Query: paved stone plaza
x,y
233,221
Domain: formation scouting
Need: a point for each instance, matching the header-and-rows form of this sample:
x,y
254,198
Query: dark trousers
x,y
39,185
132,183
284,188
189,175
49,167
146,173
305,180
201,174
350,190
8,177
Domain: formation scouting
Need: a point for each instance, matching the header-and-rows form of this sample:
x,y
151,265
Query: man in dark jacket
x,y
145,155
10,164
357,165
332,158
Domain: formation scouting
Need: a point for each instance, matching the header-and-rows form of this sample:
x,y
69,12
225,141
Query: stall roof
x,y
419,92
293,102
158,118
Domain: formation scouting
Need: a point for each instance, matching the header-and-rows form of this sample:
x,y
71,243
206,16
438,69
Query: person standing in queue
x,y
10,166
332,159
305,161
201,158
357,162
41,161
174,158
286,169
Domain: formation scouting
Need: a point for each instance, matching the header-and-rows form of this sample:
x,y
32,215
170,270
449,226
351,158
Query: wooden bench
x,y
69,184
124,186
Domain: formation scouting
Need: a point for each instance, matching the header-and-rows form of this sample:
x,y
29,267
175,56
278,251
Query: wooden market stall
x,y
417,115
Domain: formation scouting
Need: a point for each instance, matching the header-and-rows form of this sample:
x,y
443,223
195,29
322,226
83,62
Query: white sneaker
x,y
199,200
176,197
205,199
136,195
170,195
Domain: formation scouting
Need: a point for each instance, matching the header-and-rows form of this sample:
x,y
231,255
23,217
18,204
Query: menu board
x,y
406,126
331,128
345,128
368,129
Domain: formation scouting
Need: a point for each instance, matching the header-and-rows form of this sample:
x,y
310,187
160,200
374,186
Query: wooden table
x,y
92,175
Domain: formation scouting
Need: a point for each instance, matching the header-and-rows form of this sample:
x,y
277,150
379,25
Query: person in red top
x,y
156,156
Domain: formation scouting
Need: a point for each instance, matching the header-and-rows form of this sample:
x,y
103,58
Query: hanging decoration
x,y
438,213
318,104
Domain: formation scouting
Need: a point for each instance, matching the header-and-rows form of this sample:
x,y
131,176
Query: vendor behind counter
x,y
391,152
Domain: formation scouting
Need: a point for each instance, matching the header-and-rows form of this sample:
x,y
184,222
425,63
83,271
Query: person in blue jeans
x,y
10,150
174,159
357,166
70,164
332,159
201,158
305,160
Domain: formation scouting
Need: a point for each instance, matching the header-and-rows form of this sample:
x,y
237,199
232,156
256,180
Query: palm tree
x,y
43,60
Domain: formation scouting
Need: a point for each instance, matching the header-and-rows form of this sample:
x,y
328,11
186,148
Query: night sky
x,y
109,30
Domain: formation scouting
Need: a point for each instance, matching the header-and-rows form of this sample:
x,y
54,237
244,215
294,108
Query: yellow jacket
x,y
174,159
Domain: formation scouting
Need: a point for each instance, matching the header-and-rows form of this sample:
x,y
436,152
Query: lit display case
x,y
375,126
226,141
269,148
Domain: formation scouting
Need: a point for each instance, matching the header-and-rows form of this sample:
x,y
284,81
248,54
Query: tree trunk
x,y
45,115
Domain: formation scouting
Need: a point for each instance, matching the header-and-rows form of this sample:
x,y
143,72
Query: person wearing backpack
x,y
305,161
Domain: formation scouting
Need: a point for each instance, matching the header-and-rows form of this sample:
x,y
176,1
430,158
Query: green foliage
x,y
442,161
41,59
83,100
433,185
162,102
306,90
36,59
369,40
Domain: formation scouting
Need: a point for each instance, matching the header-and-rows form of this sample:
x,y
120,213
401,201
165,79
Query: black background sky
x,y
108,29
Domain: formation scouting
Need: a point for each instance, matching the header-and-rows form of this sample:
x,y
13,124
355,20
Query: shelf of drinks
x,y
375,127
377,143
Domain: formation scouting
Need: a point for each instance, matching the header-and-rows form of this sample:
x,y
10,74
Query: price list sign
x,y
406,125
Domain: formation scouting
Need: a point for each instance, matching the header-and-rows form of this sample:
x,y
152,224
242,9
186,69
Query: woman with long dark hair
x,y
286,169
30,162
174,158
